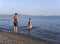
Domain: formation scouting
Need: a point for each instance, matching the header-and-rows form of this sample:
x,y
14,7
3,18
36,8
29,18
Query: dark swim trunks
x,y
15,23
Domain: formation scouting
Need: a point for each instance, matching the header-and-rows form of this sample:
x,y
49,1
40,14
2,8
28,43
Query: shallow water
x,y
43,28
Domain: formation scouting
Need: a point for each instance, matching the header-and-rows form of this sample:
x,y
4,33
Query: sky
x,y
30,7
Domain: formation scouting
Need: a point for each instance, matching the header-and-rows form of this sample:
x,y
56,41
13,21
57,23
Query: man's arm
x,y
13,19
17,19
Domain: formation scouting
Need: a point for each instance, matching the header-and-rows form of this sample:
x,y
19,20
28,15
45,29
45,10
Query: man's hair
x,y
15,13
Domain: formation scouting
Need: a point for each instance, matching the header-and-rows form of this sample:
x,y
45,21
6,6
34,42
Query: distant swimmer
x,y
30,23
15,20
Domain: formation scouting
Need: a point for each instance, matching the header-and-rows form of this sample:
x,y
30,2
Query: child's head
x,y
29,18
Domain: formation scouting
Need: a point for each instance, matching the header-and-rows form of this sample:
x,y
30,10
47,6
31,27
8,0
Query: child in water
x,y
30,23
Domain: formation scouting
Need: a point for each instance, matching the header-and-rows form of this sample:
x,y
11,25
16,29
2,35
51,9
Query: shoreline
x,y
17,38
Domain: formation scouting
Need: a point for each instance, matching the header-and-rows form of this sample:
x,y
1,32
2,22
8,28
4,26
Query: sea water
x,y
44,27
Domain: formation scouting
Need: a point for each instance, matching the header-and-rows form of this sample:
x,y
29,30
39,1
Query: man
x,y
15,20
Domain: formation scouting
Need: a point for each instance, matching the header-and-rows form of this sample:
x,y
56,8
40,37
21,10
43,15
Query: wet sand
x,y
13,38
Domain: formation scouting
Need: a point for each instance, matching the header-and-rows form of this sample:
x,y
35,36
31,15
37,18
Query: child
x,y
30,23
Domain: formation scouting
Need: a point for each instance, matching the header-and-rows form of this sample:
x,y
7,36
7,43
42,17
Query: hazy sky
x,y
30,7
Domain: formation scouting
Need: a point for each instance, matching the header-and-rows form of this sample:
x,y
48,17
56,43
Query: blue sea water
x,y
44,27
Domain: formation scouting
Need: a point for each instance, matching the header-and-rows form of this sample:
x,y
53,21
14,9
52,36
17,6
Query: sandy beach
x,y
15,38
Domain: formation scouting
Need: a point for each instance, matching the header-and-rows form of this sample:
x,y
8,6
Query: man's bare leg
x,y
16,29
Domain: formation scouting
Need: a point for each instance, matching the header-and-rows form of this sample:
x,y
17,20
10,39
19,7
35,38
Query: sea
x,y
44,27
